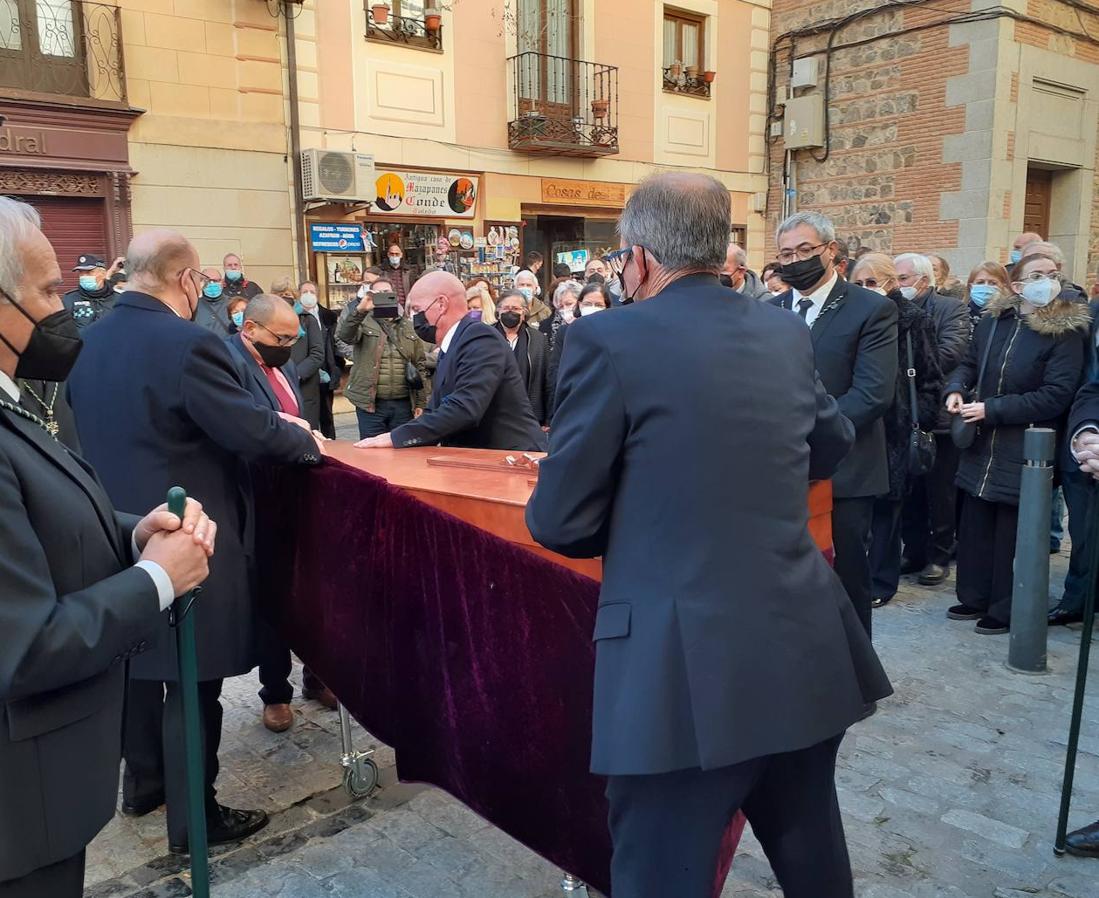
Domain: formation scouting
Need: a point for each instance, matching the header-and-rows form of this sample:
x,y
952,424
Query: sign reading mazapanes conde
x,y
583,193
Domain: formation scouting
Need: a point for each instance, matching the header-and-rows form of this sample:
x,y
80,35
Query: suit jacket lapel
x,y
76,469
830,310
460,327
255,372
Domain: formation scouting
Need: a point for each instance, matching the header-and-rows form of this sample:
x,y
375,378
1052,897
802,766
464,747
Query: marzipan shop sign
x,y
583,193
426,193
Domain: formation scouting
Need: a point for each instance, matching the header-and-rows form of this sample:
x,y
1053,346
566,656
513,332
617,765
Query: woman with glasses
x,y
1029,343
875,271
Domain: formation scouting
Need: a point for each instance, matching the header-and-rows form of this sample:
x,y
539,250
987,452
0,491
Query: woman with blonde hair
x,y
480,299
916,352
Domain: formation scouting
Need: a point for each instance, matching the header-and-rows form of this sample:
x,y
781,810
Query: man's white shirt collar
x,y
449,338
819,295
9,386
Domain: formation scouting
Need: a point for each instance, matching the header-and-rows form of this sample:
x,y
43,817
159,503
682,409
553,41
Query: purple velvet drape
x,y
470,656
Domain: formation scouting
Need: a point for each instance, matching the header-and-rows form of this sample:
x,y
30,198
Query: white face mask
x,y
879,290
590,310
909,293
1041,293
568,314
309,300
528,292
395,261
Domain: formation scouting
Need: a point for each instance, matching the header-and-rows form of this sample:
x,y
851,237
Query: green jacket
x,y
378,370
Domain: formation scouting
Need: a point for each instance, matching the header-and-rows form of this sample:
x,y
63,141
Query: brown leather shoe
x,y
278,718
325,696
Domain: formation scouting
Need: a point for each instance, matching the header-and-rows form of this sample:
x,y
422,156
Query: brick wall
x,y
884,176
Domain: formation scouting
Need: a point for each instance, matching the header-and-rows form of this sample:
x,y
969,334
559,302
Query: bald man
x,y
160,401
1020,243
479,399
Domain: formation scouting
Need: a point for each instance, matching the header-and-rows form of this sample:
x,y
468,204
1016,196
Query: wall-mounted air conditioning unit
x,y
335,177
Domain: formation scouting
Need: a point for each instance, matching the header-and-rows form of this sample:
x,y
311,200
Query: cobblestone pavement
x,y
951,790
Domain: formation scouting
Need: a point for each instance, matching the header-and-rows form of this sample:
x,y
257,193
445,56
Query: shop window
x,y
685,69
416,23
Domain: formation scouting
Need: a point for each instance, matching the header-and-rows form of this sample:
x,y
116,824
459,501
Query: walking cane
x,y
1081,670
183,620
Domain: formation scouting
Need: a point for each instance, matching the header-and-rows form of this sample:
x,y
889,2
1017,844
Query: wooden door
x,y
1039,192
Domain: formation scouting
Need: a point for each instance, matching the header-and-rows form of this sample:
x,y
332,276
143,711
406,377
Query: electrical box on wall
x,y
804,122
806,72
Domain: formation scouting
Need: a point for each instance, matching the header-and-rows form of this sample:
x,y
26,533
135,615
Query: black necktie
x,y
804,305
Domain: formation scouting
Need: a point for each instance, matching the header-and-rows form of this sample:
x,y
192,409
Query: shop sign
x,y
336,238
427,194
583,193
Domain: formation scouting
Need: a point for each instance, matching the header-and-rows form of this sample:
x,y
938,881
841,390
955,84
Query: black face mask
x,y
52,349
274,356
424,329
804,274
726,280
510,319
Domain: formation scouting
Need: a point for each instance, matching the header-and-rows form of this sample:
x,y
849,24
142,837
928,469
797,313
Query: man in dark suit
x,y
728,660
261,353
158,401
73,604
478,399
854,332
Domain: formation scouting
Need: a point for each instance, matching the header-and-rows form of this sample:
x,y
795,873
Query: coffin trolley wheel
x,y
360,777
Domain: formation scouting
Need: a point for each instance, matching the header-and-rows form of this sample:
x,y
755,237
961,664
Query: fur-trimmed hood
x,y
1060,317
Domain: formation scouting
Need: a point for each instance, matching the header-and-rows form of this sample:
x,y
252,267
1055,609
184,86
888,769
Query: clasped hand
x,y
970,411
181,547
1086,449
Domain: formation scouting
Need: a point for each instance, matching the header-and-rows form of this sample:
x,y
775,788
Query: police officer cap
x,y
88,261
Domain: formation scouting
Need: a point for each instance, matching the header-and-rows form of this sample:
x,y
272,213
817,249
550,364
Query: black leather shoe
x,y
990,626
933,575
1084,842
880,601
139,807
228,825
910,567
1059,617
963,612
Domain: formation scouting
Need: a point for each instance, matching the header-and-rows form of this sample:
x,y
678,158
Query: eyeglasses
x,y
866,282
279,339
803,252
617,260
1036,276
202,280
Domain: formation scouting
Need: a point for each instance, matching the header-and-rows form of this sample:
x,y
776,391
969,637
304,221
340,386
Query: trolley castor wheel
x,y
361,777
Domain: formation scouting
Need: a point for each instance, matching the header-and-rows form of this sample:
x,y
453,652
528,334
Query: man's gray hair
x,y
262,307
17,222
564,288
821,224
1045,248
739,255
920,264
509,293
682,219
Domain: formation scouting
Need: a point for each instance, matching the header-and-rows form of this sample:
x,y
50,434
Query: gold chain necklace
x,y
49,423
30,416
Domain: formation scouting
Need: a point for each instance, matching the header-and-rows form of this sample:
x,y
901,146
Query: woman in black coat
x,y
1034,342
876,271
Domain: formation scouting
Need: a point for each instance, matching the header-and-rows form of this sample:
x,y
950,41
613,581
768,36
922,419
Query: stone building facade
x,y
950,127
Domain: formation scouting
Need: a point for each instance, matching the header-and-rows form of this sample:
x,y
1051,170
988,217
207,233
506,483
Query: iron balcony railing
x,y
562,107
402,29
65,47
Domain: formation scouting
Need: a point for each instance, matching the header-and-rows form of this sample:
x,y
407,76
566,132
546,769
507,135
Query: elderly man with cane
x,y
82,589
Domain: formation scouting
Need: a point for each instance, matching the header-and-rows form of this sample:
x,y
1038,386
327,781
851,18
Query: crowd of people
x,y
912,390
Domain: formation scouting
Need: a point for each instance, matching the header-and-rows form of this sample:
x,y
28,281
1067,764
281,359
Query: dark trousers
x,y
986,556
885,548
65,879
1077,488
930,515
153,747
387,414
667,828
328,421
851,519
275,665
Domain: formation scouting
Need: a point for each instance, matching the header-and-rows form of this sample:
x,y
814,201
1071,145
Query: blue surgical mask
x,y
301,331
88,283
238,319
980,294
528,292
212,290
298,308
232,275
1015,255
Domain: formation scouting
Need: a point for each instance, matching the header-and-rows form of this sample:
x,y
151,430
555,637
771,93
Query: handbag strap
x,y
984,359
389,339
912,382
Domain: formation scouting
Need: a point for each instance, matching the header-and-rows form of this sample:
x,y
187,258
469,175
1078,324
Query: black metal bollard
x,y
1030,593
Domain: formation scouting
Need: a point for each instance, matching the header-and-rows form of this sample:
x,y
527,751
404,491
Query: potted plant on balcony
x,y
433,19
600,106
709,75
380,13
692,72
675,70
